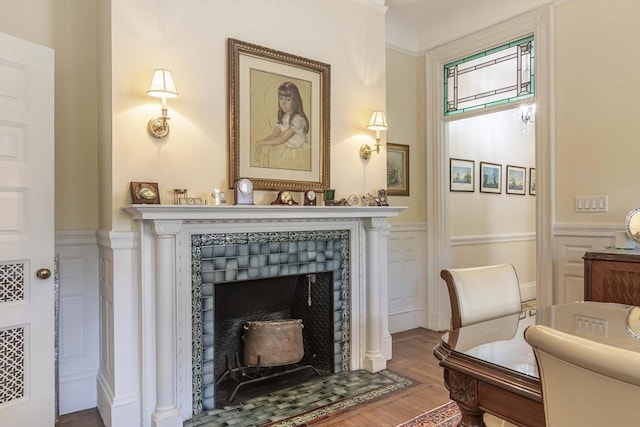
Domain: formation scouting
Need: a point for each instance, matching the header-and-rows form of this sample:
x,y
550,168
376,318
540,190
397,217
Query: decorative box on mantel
x,y
165,263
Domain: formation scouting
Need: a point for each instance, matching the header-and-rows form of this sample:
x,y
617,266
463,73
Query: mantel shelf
x,y
257,212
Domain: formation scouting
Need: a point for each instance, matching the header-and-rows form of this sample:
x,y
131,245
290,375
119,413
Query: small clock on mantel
x,y
243,192
310,198
284,197
145,193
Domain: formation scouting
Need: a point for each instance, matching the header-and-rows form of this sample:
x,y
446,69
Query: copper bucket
x,y
275,342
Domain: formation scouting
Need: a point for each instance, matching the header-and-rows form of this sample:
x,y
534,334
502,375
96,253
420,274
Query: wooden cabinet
x,y
612,275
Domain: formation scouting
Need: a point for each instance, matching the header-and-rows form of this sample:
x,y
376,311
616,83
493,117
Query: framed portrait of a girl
x,y
279,115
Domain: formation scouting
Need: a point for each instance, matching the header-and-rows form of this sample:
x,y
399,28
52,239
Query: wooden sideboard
x,y
612,275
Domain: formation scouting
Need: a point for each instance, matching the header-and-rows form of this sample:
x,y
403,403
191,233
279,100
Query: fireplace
x,y
168,336
258,348
243,277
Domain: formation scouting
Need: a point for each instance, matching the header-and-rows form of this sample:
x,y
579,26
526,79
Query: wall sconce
x,y
377,122
161,87
527,116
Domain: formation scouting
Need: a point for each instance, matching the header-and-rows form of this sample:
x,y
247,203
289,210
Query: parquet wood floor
x,y
412,357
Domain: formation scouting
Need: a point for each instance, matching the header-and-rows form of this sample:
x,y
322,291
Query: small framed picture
x,y
490,178
329,194
397,169
532,181
461,175
516,181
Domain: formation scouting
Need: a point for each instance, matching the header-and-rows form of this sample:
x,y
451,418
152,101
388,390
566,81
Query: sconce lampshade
x,y
378,121
162,85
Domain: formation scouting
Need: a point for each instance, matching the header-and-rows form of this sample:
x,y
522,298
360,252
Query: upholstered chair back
x,y
585,383
482,293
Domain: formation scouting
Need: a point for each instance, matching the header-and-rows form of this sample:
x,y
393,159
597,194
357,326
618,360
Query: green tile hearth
x,y
303,403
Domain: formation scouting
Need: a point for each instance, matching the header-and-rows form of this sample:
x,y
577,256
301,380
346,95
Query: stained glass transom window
x,y
497,76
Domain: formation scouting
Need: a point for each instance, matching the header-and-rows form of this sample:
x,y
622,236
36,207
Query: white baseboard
x,y
124,411
406,320
77,392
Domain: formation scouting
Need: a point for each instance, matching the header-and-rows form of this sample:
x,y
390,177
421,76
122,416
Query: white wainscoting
x,y
78,336
79,329
571,241
407,277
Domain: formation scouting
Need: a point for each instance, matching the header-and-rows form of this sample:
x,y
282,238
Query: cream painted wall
x,y
405,117
189,37
105,116
76,139
494,138
30,20
597,147
68,27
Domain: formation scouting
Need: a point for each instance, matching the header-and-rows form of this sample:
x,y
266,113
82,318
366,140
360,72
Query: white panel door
x,y
26,234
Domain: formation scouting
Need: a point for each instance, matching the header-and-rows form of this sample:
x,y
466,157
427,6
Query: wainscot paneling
x,y
517,248
407,277
77,254
571,241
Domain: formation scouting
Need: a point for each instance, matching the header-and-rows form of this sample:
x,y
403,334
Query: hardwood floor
x,y
86,418
412,357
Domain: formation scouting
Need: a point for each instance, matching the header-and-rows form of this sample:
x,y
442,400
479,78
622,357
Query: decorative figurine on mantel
x,y
368,200
219,197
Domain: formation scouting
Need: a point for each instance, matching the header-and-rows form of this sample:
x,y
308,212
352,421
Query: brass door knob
x,y
43,273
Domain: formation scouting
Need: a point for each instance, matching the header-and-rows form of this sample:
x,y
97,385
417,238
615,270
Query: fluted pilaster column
x,y
166,413
376,288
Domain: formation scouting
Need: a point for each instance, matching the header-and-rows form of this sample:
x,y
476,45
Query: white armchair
x,y
586,383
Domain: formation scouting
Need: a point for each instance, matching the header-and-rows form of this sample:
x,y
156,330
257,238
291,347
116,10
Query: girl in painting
x,y
288,145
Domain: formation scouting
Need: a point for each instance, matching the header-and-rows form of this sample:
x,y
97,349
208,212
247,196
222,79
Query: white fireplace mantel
x,y
165,234
257,212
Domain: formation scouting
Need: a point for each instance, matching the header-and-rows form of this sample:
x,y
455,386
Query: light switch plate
x,y
592,204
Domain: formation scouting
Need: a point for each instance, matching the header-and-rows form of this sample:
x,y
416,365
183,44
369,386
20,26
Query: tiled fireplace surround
x,y
168,233
237,258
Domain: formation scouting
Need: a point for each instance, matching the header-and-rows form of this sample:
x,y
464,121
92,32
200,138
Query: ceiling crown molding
x,y
374,4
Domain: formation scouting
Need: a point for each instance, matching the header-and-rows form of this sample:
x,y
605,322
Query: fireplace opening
x,y
308,298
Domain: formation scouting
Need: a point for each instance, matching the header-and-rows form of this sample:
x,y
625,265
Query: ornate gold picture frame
x,y
279,119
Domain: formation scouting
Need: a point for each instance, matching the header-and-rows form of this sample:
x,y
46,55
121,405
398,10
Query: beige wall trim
x,y
418,226
491,238
587,230
75,237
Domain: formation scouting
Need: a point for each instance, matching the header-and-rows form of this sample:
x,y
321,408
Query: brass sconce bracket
x,y
158,127
366,150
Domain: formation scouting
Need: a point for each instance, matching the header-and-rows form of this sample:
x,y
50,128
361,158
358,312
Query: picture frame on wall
x,y
516,180
461,175
490,178
398,176
260,79
532,181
